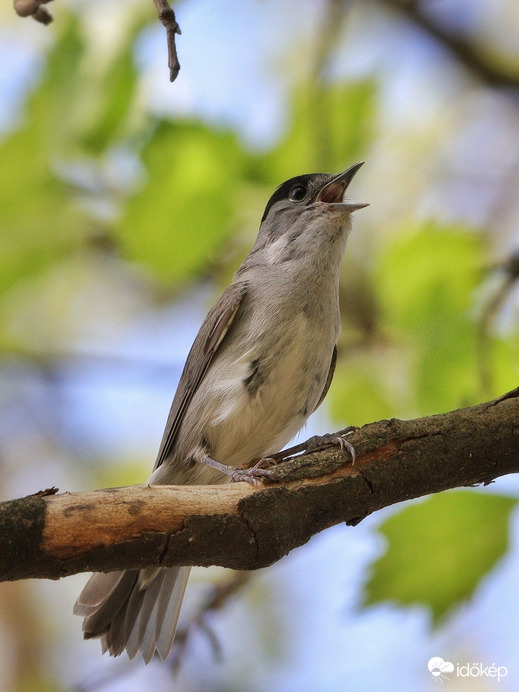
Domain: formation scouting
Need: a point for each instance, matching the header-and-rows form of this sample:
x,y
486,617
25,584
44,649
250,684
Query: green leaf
x,y
425,282
504,354
360,392
52,108
39,219
331,125
185,209
428,270
110,94
81,102
439,550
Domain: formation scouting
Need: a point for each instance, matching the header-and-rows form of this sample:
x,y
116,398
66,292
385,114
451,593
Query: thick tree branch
x,y
246,527
473,59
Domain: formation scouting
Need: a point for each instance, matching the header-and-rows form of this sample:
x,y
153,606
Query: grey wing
x,y
211,334
329,378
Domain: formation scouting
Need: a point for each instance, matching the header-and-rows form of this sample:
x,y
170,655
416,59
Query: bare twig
x,y
167,17
465,51
34,9
218,597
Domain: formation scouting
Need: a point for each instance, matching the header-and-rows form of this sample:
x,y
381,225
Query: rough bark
x,y
247,527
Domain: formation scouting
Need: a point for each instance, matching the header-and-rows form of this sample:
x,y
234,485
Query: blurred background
x,y
127,202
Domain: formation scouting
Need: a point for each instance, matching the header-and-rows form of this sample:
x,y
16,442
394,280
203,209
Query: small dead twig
x,y
217,598
46,492
34,9
167,17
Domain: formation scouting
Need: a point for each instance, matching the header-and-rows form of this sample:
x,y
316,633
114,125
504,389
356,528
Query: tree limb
x,y
246,527
465,51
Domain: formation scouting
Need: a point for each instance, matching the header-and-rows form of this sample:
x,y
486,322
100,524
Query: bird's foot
x,y
259,470
316,444
250,475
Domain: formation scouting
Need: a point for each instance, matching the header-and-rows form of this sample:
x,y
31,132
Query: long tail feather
x,y
133,610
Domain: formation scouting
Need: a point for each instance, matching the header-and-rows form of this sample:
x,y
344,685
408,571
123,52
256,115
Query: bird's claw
x,y
252,474
317,443
320,442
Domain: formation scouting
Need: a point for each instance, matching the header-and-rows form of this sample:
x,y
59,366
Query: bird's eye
x,y
297,193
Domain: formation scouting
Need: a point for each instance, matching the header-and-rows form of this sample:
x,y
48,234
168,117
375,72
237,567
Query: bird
x,y
261,363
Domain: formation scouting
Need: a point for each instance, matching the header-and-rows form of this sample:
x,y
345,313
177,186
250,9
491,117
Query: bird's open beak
x,y
333,192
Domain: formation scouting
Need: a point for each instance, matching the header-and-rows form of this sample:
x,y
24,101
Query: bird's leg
x,y
315,444
236,475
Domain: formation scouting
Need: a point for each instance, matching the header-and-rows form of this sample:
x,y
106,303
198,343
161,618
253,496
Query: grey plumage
x,y
261,363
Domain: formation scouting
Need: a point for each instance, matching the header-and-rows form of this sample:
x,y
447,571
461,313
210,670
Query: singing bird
x,y
261,363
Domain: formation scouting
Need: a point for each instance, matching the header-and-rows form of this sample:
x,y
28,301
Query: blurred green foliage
x,y
438,550
330,126
425,280
39,220
185,208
